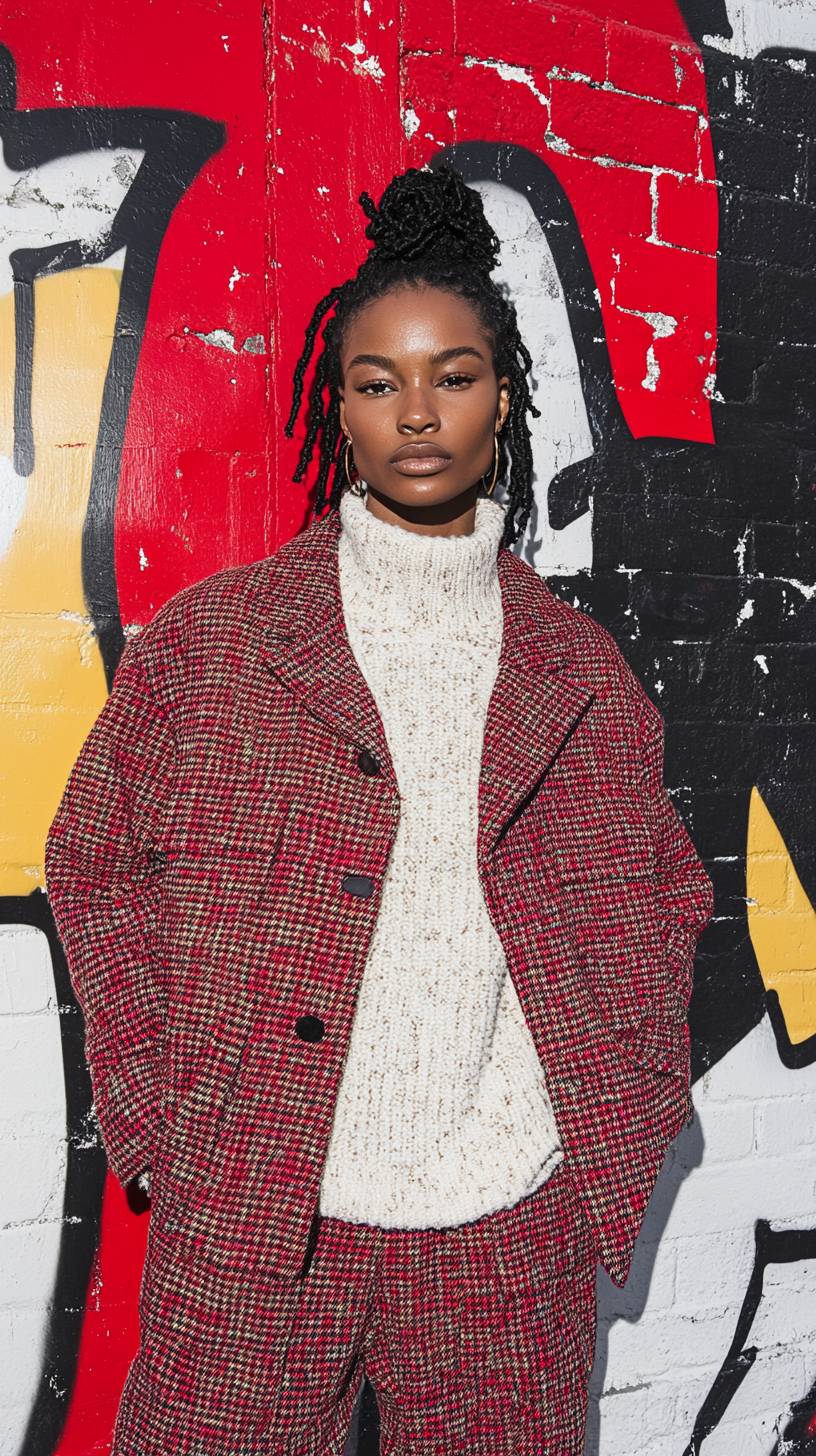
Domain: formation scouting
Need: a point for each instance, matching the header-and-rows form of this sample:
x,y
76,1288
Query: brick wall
x,y
179,187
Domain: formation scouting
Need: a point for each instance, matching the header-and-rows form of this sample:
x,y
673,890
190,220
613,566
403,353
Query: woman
x,y
414,1045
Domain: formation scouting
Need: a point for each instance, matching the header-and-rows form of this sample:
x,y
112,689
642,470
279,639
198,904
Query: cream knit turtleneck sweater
x,y
442,1113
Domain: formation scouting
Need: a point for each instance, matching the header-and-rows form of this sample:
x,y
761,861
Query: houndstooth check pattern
x,y
196,869
477,1338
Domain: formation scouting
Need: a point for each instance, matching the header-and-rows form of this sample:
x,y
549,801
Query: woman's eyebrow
x,y
441,357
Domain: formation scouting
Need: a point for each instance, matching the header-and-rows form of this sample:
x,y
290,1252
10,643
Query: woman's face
x,y
417,371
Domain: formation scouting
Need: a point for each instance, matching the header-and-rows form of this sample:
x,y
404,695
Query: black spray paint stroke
x,y
176,145
792,1054
771,1247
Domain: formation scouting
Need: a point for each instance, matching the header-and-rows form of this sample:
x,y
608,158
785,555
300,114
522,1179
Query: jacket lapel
x,y
304,640
534,705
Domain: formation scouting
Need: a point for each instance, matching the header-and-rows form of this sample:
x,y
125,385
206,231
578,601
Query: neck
x,y
414,579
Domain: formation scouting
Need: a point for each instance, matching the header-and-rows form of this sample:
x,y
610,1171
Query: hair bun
x,y
427,211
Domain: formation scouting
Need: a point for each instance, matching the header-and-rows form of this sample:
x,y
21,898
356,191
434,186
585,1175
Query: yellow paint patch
x,y
52,681
782,923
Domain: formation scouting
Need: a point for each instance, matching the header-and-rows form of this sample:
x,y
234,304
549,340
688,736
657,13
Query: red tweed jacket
x,y
215,869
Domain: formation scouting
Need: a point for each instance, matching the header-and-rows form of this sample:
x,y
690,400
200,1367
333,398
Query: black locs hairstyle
x,y
430,228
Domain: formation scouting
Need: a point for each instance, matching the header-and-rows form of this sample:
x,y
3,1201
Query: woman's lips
x,y
421,464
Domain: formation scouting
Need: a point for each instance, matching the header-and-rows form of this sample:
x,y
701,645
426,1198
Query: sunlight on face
x,y
417,370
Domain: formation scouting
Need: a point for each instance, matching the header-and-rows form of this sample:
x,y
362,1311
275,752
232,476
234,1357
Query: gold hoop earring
x,y
489,488
356,488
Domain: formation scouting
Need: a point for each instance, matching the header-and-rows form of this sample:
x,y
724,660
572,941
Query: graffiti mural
x,y
172,202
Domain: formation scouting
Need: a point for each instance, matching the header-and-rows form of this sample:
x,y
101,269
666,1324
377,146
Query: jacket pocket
x,y
622,963
217,942
188,1137
659,1043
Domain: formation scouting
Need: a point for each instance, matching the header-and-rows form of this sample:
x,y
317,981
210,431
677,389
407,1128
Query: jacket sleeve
x,y
684,890
103,872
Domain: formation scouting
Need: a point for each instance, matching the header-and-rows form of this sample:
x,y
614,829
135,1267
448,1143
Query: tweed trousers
x,y
478,1338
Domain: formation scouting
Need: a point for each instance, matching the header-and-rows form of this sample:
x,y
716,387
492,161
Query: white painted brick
x,y
28,1261
22,1334
752,1436
710,1263
671,1341
26,1042
729,1132
785,1126
26,973
720,1198
34,1179
637,1416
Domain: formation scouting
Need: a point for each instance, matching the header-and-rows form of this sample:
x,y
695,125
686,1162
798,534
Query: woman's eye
x,y
379,384
373,383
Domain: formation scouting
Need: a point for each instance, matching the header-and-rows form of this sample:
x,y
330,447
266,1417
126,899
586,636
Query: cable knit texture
x,y
443,1113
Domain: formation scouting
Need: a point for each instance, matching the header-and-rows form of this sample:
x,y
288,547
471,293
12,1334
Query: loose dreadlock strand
x,y
428,230
334,432
315,414
300,368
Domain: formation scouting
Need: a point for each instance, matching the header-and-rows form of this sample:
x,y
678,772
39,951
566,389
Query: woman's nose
x,y
418,410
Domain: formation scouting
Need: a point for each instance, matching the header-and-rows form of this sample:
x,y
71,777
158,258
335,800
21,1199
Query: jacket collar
x,y
536,699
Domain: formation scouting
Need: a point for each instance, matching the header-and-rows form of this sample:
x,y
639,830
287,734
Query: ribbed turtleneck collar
x,y
413,580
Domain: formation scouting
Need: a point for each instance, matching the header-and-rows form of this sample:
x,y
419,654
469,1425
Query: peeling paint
x,y
807,589
653,193
650,378
560,73
372,67
663,325
218,338
410,121
509,72
739,550
321,50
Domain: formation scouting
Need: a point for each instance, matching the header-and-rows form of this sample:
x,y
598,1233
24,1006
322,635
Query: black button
x,y
309,1028
157,858
358,885
368,762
